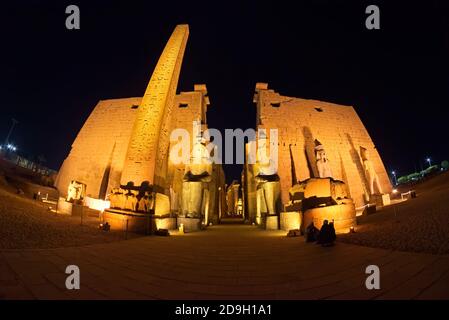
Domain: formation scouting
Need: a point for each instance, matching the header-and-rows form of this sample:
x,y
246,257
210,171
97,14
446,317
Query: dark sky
x,y
396,77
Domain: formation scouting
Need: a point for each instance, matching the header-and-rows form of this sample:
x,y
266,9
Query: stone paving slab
x,y
224,262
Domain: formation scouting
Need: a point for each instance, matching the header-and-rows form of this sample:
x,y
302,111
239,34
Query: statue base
x,y
290,220
128,221
343,215
380,200
165,223
190,224
272,223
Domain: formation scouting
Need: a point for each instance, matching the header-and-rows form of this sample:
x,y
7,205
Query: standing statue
x,y
268,186
322,162
371,175
195,186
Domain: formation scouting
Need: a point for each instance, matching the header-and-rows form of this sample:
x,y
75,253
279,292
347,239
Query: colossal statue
x,y
268,186
322,162
198,171
370,173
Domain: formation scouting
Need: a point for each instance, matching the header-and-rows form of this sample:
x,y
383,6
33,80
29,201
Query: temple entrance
x,y
232,209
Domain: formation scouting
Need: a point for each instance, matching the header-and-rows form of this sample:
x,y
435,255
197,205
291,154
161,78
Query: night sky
x,y
397,77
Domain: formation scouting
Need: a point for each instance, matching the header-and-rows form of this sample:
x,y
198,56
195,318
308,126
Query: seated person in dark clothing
x,y
327,234
311,233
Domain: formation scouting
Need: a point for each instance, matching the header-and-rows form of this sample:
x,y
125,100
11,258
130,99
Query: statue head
x,y
364,153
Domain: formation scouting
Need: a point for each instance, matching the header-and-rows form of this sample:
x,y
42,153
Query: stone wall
x,y
337,127
101,143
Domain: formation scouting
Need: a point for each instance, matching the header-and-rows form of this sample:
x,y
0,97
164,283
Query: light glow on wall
x,y
97,204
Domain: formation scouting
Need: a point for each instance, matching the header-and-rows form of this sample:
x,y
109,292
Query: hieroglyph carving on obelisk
x,y
148,144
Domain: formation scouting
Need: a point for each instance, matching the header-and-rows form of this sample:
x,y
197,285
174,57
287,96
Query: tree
x,y
445,164
402,180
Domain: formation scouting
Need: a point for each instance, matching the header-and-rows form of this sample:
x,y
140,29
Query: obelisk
x,y
142,154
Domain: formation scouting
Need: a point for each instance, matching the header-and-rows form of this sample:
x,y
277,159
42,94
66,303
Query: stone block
x,y
190,224
137,223
165,223
290,220
272,223
343,215
162,206
381,200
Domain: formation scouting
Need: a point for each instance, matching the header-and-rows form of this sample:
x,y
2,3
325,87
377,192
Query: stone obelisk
x,y
143,155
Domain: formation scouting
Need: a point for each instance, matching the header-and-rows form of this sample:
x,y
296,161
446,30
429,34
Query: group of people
x,y
325,236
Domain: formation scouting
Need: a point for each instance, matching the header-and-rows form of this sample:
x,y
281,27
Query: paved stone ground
x,y
224,262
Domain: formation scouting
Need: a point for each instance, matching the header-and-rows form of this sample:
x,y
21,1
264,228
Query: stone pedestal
x,y
380,200
290,220
343,215
190,224
128,222
165,223
272,223
162,205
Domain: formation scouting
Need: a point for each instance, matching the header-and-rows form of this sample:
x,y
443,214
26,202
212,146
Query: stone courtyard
x,y
226,262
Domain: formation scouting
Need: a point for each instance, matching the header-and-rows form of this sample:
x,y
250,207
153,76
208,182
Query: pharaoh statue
x,y
113,197
145,203
131,200
322,162
268,185
197,174
370,173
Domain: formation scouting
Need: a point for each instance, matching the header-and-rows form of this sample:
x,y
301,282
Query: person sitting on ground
x,y
323,236
332,235
327,234
311,233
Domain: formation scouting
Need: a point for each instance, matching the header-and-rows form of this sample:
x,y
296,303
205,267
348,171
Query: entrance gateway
x,y
326,165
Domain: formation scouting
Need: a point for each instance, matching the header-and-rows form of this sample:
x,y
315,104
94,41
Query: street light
x,y
429,161
394,177
11,147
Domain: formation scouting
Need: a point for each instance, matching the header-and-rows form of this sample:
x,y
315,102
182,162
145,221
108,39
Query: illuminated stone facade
x,y
100,147
128,140
97,157
299,123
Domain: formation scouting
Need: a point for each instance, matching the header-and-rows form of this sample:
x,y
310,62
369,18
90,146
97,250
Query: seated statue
x,y
268,185
145,203
121,198
322,199
113,198
197,174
